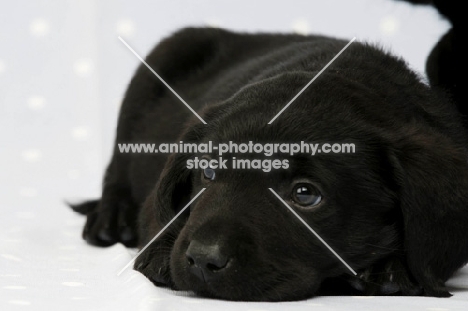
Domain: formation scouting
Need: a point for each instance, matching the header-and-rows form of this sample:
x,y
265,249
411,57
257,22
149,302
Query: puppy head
x,y
239,242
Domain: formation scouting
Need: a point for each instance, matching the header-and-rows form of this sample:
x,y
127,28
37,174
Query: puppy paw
x,y
389,277
439,291
155,269
112,223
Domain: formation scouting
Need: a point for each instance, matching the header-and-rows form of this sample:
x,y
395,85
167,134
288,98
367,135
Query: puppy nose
x,y
206,261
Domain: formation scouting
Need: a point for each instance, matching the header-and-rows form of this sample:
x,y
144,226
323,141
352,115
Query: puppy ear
x,y
160,207
171,193
432,172
174,187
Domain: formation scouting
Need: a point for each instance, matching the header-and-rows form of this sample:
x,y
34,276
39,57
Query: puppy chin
x,y
251,289
243,284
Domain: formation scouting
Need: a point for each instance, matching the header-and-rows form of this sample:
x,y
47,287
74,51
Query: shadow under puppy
x,y
396,210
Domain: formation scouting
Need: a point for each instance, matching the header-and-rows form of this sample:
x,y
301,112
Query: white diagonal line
x,y
167,85
160,232
312,230
313,79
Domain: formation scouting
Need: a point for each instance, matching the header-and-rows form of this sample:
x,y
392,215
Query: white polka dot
x,y
125,27
70,269
11,240
14,287
69,233
2,66
28,192
213,23
11,257
73,284
31,155
25,215
301,26
19,302
67,248
36,102
83,67
73,174
39,27
388,25
80,133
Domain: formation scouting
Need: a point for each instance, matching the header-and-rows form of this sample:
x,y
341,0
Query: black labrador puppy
x,y
396,210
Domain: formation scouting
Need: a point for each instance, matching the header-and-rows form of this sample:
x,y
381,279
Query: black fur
x,y
85,207
396,210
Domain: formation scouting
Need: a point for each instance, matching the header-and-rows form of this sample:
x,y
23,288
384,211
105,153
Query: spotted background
x,y
62,76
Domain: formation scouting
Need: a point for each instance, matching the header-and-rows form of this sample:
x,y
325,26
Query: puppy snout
x,y
206,261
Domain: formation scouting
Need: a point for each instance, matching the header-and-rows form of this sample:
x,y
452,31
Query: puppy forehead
x,y
331,99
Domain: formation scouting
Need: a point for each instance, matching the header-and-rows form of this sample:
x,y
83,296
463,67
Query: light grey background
x,y
63,73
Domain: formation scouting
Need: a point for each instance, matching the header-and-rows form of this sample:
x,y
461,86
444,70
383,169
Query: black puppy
x,y
396,210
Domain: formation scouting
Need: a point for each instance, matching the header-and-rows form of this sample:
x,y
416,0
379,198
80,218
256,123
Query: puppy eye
x,y
306,195
209,173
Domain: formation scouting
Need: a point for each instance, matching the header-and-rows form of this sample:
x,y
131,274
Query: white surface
x,y
44,265
62,75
